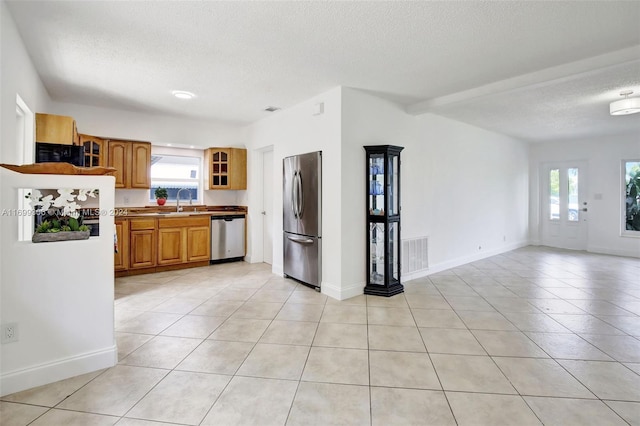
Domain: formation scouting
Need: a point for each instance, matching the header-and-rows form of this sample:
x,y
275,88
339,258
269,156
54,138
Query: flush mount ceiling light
x,y
625,106
182,94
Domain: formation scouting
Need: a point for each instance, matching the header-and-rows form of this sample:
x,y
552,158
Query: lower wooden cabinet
x,y
184,239
171,245
142,243
145,243
121,257
199,243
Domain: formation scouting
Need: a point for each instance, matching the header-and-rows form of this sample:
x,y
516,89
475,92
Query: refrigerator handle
x,y
301,240
294,195
300,195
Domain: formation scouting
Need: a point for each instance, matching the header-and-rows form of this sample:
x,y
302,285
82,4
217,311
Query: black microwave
x,y
58,153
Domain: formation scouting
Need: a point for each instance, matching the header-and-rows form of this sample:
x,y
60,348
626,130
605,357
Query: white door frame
x,y
258,234
561,232
25,139
25,154
268,217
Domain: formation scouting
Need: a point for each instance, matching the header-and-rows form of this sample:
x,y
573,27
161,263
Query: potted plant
x,y
62,219
161,196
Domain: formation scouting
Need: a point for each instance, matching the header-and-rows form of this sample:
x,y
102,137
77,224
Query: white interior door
x,y
267,206
564,209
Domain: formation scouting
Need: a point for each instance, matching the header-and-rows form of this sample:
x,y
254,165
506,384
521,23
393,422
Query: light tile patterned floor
x,y
533,336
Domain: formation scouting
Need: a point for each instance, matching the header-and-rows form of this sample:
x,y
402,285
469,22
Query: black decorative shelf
x,y
383,220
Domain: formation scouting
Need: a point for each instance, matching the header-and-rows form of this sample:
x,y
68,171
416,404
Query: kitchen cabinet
x,y
59,129
226,168
95,150
142,243
132,160
199,242
183,239
171,245
150,244
121,258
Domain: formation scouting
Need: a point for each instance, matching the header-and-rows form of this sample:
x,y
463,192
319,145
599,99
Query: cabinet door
x,y
119,158
219,159
198,243
58,129
171,246
121,258
238,169
94,150
227,168
143,248
140,165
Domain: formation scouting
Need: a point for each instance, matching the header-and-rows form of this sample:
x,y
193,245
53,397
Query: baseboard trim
x,y
614,251
42,374
342,293
277,270
453,263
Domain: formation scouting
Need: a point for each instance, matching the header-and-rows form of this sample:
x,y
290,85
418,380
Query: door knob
x,y
584,210
263,213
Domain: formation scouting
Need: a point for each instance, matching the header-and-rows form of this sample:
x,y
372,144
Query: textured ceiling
x,y
239,57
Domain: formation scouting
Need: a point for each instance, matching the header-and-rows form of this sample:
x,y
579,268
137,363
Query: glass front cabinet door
x,y
383,220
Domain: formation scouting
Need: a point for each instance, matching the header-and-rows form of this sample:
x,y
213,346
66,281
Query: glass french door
x,y
564,205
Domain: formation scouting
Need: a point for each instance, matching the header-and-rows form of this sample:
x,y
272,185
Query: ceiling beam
x,y
543,77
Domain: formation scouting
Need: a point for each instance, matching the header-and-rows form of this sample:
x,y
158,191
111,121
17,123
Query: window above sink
x,y
174,172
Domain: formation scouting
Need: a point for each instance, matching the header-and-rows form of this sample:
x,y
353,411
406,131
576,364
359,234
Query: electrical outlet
x,y
126,201
10,332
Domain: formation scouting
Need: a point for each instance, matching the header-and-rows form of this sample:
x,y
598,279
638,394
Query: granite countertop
x,y
170,211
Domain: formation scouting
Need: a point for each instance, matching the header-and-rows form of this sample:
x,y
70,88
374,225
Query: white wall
x,y
462,186
296,131
59,293
603,157
17,76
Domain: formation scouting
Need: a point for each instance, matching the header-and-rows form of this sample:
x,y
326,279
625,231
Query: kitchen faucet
x,y
178,208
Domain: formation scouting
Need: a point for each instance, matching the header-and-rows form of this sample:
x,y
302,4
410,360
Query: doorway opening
x,y
564,205
267,206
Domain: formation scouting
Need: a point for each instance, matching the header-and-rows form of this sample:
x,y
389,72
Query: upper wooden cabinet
x,y
132,160
226,168
56,129
95,150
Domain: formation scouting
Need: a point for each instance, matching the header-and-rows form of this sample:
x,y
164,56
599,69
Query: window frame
x,y
181,152
624,232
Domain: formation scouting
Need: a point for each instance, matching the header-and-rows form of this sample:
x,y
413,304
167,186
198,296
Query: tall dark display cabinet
x,y
383,220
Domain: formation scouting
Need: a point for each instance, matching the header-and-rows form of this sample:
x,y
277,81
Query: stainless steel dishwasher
x,y
227,238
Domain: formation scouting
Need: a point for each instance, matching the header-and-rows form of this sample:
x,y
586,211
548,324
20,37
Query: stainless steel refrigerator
x,y
302,218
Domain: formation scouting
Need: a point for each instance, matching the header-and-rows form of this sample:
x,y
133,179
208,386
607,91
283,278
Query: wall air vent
x,y
415,255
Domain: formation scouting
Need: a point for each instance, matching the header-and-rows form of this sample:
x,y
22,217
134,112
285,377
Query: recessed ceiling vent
x,y
272,109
